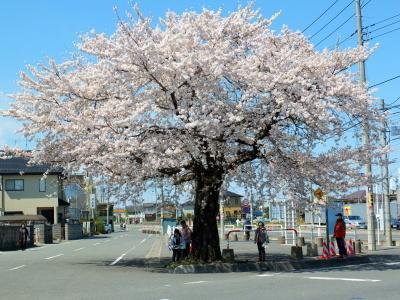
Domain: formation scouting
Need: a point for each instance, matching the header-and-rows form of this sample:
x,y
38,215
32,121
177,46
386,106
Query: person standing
x,y
187,236
23,237
340,233
176,245
260,237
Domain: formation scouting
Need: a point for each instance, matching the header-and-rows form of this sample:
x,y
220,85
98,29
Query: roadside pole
x,y
221,217
385,185
368,166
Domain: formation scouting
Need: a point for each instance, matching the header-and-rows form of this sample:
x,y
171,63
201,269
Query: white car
x,y
355,222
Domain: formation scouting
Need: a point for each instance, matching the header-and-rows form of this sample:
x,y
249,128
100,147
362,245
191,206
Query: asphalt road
x,y
104,268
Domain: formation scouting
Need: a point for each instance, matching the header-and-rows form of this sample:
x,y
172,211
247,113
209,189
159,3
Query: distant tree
x,y
198,98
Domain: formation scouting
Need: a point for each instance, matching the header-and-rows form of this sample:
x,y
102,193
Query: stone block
x,y
296,252
228,255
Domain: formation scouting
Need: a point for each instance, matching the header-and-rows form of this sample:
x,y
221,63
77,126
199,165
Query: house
x,y
232,205
25,191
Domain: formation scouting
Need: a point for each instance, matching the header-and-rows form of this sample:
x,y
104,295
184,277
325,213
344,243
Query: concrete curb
x,y
282,266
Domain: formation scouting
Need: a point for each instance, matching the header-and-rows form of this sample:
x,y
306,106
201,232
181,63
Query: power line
x,y
364,5
326,10
349,37
379,83
331,20
384,20
398,98
337,28
382,27
385,33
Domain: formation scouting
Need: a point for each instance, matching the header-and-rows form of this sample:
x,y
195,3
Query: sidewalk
x,y
278,259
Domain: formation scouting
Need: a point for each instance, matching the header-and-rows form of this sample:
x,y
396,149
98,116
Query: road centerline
x,y
343,279
51,257
16,268
195,282
79,249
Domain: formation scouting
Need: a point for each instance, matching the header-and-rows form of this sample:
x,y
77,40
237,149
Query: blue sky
x,y
32,31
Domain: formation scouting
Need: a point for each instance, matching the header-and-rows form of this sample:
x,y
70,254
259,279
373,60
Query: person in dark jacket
x,y
260,237
340,233
23,237
177,244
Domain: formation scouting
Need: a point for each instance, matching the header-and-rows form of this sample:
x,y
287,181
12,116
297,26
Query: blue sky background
x,y
32,31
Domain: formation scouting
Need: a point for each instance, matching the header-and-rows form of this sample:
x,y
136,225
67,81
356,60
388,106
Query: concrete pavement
x,y
115,266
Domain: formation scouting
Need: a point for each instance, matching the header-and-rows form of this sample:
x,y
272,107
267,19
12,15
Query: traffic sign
x,y
245,203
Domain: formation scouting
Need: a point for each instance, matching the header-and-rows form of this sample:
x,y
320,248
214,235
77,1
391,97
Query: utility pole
x,y
368,166
385,184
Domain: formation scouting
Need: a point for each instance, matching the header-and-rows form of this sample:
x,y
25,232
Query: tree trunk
x,y
206,208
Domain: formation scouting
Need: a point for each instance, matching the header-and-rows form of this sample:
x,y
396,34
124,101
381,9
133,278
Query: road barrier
x,y
325,253
332,251
243,230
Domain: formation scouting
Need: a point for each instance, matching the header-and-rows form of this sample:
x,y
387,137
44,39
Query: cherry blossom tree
x,y
196,99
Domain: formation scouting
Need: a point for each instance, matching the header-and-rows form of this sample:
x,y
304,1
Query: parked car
x,y
355,222
395,223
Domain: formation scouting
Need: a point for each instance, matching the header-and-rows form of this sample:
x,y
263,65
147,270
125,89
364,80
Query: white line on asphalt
x,y
51,257
95,244
118,259
79,249
167,285
195,282
142,241
16,268
344,279
265,275
393,263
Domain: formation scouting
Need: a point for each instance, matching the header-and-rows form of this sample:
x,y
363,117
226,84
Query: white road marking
x,y
79,249
195,282
51,257
118,259
95,244
344,279
142,241
16,268
167,285
393,263
123,254
265,275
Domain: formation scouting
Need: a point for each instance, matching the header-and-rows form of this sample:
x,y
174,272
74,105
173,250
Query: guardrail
x,y
269,230
320,230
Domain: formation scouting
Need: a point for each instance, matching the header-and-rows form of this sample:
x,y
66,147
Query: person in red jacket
x,y
340,233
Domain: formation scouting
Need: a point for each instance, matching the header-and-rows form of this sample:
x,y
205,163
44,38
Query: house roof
x,y
23,218
19,165
360,196
231,194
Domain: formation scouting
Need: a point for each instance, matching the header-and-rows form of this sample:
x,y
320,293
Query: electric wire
x,y
349,37
384,20
337,28
389,105
382,34
321,15
331,20
382,82
382,27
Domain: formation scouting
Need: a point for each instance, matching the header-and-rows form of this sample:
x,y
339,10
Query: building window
x,y
42,185
14,184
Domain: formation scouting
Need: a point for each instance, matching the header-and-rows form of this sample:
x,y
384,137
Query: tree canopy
x,y
196,98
